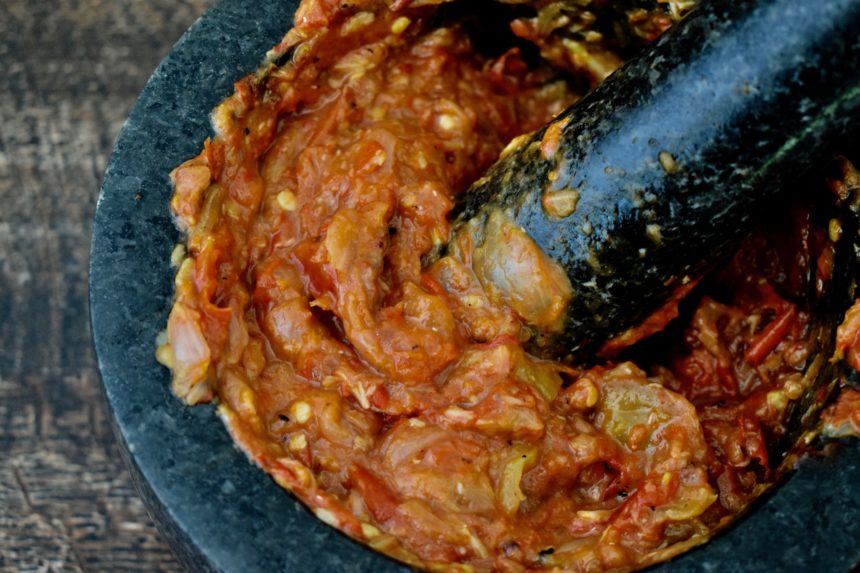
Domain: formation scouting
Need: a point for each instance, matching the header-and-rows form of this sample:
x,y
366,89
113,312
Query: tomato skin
x,y
380,500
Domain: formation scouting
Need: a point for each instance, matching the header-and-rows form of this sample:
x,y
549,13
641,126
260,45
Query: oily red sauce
x,y
396,400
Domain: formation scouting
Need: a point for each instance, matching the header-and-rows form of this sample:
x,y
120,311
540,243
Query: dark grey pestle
x,y
674,156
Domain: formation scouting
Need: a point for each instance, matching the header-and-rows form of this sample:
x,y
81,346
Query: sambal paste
x,y
396,399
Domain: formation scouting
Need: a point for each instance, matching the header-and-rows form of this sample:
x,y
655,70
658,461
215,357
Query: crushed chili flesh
x,y
396,400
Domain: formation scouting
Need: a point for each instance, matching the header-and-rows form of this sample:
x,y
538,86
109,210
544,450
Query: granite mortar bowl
x,y
220,513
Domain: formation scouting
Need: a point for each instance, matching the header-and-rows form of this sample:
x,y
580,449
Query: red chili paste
x,y
396,400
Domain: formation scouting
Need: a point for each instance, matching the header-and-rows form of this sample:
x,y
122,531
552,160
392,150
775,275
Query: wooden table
x,y
69,72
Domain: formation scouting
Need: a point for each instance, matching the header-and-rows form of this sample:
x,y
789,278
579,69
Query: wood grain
x,y
69,72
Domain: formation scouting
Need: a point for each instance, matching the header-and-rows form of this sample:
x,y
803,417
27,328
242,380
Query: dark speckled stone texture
x,y
218,511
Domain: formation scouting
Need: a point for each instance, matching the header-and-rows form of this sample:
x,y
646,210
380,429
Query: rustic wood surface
x,y
69,72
